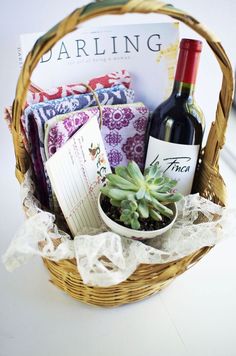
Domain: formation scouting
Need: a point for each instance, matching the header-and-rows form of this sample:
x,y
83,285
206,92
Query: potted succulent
x,y
138,205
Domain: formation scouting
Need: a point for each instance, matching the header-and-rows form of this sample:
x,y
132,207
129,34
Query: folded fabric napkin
x,y
105,81
60,128
123,131
35,95
36,115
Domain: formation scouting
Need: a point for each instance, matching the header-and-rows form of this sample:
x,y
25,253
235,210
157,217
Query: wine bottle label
x,y
177,161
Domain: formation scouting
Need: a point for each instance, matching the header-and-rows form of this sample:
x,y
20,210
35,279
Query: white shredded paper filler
x,y
105,258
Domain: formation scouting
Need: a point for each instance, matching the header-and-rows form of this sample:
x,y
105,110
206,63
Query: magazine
x,y
148,51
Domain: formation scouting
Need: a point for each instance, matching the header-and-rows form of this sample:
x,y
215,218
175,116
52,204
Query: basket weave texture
x,y
147,279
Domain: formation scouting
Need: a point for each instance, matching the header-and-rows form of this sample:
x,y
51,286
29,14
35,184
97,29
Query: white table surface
x,y
195,315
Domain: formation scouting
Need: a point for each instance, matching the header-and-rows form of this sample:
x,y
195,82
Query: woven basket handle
x,y
216,136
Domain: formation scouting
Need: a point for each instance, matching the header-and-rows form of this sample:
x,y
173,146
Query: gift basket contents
x,y
119,194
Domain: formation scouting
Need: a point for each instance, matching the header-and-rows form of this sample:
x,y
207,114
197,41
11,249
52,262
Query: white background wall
x,y
204,323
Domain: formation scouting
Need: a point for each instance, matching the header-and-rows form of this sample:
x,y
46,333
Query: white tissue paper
x,y
105,258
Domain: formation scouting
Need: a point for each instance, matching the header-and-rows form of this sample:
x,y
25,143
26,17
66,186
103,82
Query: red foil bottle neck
x,y
188,61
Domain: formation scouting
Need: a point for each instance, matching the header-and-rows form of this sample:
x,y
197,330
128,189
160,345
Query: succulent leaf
x,y
155,215
129,204
141,193
126,212
121,183
143,210
125,216
125,204
148,197
116,203
135,225
170,197
133,205
152,172
135,173
135,215
162,208
123,172
159,181
117,194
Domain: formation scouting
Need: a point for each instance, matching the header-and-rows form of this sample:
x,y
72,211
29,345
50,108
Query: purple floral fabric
x,y
123,131
59,129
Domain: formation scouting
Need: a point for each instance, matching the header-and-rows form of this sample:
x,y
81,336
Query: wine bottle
x,y
176,126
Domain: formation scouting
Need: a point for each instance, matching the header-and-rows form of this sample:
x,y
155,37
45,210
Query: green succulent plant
x,y
140,196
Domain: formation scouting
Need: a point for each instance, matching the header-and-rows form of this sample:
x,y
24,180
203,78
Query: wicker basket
x,y
147,279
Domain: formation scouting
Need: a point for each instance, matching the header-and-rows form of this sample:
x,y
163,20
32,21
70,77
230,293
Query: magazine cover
x,y
147,51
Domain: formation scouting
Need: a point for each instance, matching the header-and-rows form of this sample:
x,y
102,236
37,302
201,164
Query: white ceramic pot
x,y
135,234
